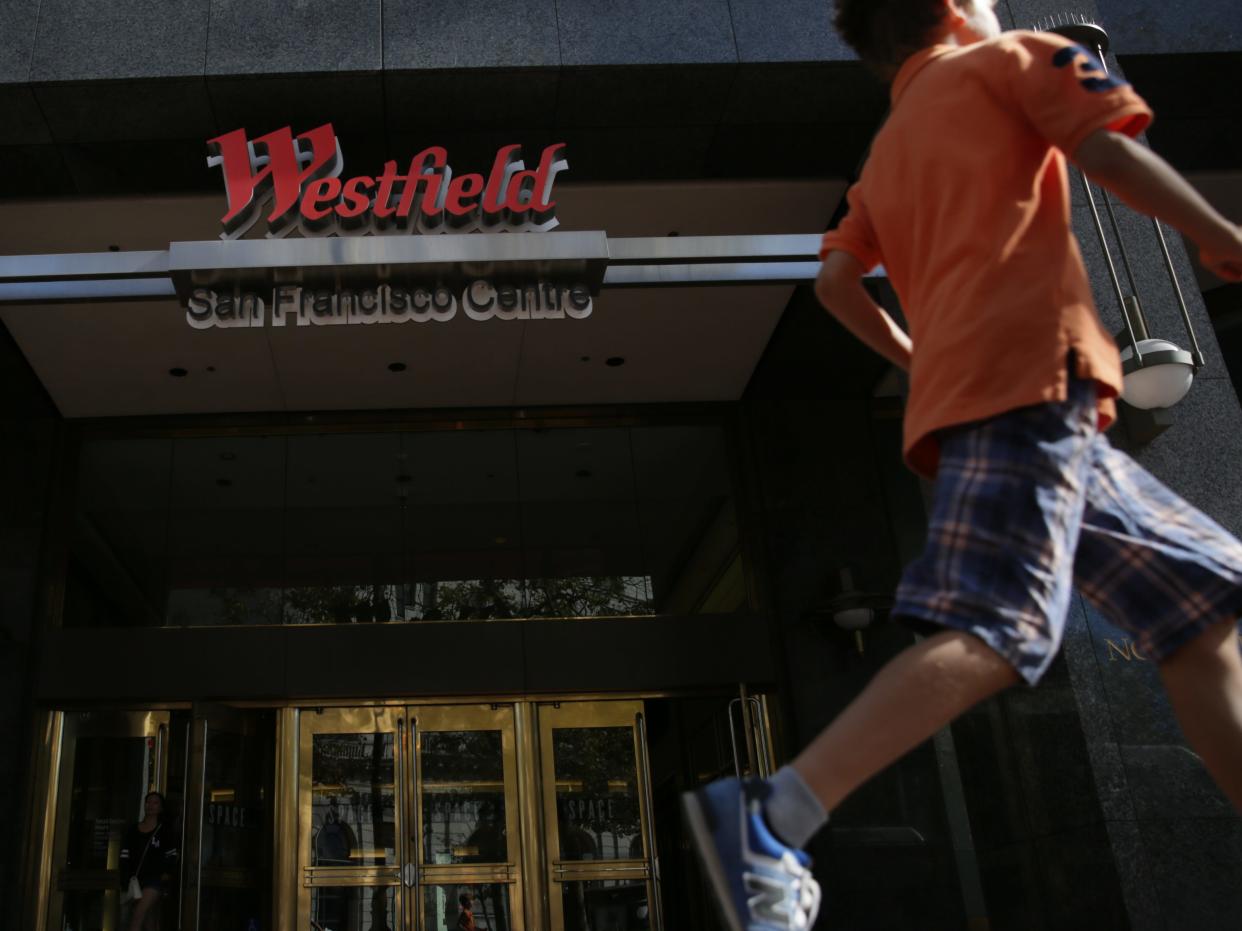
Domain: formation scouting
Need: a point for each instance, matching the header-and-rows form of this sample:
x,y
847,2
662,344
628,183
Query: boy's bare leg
x,y
1204,682
920,691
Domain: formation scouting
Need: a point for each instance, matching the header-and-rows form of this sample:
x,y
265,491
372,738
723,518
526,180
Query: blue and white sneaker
x,y
761,884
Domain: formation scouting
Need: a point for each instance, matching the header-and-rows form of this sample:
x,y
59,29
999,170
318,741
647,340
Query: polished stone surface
x,y
1198,455
83,40
23,122
122,167
794,30
480,100
352,103
1026,14
18,22
646,96
595,32
806,93
465,34
33,171
306,36
1145,27
1196,870
105,111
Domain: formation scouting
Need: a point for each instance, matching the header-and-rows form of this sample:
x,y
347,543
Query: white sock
x,y
791,809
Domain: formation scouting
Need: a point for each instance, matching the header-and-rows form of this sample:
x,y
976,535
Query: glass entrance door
x,y
405,813
409,815
109,762
602,873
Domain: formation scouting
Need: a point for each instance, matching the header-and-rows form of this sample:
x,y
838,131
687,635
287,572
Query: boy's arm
x,y
1147,183
839,288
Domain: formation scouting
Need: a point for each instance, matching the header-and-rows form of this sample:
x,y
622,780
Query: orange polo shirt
x,y
965,201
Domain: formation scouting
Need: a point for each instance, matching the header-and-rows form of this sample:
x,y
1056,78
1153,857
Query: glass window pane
x,y
597,808
235,860
464,527
353,813
445,905
689,520
605,905
463,786
580,534
353,908
118,562
111,775
226,539
344,515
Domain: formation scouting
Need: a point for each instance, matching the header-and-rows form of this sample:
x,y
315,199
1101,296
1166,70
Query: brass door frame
x,y
377,720
433,719
590,714
410,873
52,875
207,717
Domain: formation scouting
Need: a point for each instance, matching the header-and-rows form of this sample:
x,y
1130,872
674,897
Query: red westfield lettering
x,y
296,181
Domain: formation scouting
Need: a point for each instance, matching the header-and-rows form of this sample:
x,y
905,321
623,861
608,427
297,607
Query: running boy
x,y
964,199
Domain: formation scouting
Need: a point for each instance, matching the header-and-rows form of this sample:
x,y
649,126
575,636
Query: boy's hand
x,y
1224,260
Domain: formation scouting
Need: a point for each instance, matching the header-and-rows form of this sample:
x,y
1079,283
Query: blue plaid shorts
x,y
1035,501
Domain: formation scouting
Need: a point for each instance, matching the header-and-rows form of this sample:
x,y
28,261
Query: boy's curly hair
x,y
886,32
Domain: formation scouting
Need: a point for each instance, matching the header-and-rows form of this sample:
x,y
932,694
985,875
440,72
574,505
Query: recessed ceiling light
x,y
178,372
614,361
396,366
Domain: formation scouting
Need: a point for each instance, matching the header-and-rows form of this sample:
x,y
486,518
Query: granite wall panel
x,y
82,40
302,37
469,34
19,20
635,32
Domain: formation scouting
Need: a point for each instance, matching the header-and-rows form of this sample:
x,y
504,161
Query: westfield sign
x,y
294,182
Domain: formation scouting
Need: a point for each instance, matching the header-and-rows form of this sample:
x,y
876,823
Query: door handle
x,y
409,875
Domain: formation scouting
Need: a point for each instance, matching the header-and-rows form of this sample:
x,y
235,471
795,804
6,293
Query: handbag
x,y
133,890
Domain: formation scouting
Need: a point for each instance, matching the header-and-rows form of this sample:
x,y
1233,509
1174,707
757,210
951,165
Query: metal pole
x,y
1112,269
1195,353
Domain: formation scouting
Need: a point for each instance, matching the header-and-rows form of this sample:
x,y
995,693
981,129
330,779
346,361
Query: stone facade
x,y
1110,819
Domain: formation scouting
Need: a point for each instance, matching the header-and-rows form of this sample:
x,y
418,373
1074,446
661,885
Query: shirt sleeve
x,y
1066,93
854,234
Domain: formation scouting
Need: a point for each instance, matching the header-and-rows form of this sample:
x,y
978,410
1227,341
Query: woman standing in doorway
x,y
149,854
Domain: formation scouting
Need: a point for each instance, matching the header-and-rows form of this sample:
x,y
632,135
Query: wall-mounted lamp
x,y
1157,373
852,611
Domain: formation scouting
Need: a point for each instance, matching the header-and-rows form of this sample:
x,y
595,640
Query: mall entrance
x,y
537,813
534,815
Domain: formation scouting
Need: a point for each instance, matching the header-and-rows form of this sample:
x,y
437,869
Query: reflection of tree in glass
x,y
358,771
463,796
448,600
597,794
